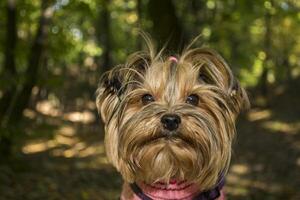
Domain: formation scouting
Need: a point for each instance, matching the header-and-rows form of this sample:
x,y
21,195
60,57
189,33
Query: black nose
x,y
170,121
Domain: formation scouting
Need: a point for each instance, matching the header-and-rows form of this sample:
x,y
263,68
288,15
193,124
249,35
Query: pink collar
x,y
175,191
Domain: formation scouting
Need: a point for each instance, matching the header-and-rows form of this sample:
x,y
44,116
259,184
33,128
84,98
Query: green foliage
x,y
235,28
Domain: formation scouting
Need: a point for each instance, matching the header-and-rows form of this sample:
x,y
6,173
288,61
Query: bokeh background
x,y
52,53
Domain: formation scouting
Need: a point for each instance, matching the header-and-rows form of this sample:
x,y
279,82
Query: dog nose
x,y
170,121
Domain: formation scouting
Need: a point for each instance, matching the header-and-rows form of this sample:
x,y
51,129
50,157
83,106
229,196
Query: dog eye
x,y
147,98
193,99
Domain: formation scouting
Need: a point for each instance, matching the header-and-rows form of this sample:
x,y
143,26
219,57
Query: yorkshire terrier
x,y
170,123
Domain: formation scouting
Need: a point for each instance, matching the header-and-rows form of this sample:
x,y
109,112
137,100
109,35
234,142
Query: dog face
x,y
167,119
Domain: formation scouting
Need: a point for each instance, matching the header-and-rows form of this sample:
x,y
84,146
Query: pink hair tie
x,y
173,59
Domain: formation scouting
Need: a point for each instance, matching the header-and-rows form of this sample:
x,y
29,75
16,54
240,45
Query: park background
x,y
52,53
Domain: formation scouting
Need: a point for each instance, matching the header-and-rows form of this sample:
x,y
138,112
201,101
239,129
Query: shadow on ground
x,y
266,160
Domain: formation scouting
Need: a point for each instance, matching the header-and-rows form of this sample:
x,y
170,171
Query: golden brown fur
x,y
134,140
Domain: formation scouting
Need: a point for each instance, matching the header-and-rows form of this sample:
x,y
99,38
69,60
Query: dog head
x,y
171,119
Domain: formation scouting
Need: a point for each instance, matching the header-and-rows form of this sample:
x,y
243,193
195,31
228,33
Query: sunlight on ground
x,y
67,131
298,162
49,108
37,147
68,140
29,113
90,105
84,117
278,126
65,143
272,125
236,185
239,184
239,169
255,114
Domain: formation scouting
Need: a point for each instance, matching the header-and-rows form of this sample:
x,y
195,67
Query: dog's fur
x,y
136,141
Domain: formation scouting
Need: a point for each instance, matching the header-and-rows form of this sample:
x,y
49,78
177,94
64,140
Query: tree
x,y
9,72
267,48
166,25
17,97
103,35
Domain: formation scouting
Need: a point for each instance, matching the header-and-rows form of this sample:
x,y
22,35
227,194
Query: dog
x,y
170,123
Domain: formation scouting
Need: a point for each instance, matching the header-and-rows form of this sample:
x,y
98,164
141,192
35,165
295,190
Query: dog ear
x,y
108,93
139,61
239,97
115,83
214,70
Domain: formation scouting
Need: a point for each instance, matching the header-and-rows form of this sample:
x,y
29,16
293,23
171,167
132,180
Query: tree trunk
x,y
288,72
198,9
9,70
11,38
8,74
21,99
166,27
103,34
263,82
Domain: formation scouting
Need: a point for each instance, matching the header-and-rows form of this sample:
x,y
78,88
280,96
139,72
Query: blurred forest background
x,y
52,53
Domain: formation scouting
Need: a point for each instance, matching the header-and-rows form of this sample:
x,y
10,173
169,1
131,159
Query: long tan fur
x,y
134,142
